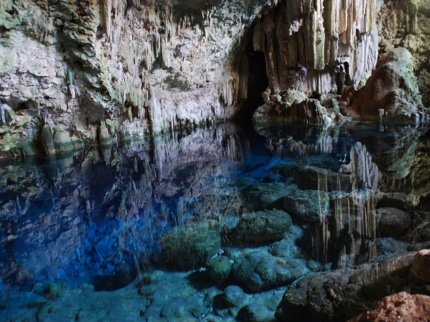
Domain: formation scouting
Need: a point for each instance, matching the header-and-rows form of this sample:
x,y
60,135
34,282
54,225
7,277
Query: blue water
x,y
96,216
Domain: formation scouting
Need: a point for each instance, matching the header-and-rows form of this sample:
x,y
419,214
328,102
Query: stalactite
x,y
107,7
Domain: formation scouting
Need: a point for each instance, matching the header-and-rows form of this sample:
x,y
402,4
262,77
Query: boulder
x,y
262,195
47,139
62,141
219,268
234,296
398,307
259,270
191,245
393,199
421,264
314,178
392,90
254,312
310,205
393,222
305,112
344,293
258,228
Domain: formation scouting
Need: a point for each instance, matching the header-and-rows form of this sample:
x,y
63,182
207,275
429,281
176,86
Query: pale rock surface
x,y
398,307
391,88
141,69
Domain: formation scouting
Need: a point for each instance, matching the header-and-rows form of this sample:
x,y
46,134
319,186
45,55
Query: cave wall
x,y
76,73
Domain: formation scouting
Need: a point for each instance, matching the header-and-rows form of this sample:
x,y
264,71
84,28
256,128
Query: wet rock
x,y
258,227
398,307
105,138
364,173
420,231
254,312
62,141
234,296
393,199
191,245
339,295
310,205
21,306
421,264
259,270
267,195
393,222
48,140
314,178
306,112
393,88
419,246
219,268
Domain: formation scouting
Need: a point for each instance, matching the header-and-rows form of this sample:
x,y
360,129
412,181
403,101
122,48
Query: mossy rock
x,y
47,139
219,268
191,245
259,227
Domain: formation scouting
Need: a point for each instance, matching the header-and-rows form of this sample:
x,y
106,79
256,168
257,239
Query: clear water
x,y
96,216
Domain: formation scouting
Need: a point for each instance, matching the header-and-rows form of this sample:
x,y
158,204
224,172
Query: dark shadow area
x,y
257,83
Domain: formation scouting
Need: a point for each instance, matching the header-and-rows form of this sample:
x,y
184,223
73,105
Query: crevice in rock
x,y
257,82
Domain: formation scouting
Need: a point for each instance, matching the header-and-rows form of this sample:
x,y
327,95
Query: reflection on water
x,y
97,216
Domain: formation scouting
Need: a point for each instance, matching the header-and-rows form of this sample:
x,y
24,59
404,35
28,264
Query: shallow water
x,y
95,217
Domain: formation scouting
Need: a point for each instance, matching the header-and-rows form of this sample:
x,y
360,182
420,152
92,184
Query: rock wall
x,y
94,72
405,23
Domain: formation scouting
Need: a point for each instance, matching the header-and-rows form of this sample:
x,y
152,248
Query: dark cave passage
x,y
257,83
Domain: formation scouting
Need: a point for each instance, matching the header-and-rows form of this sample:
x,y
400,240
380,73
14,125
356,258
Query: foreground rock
x,y
342,294
398,307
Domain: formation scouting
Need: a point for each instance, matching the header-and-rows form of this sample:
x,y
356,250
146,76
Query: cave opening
x,y
256,85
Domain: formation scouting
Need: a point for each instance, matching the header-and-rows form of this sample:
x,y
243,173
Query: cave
x,y
257,83
126,192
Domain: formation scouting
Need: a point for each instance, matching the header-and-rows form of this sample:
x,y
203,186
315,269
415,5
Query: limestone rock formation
x,y
405,23
391,92
258,228
393,222
398,307
344,293
259,270
190,246
134,68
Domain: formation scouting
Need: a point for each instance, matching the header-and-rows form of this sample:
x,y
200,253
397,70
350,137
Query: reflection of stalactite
x,y
364,173
352,229
107,6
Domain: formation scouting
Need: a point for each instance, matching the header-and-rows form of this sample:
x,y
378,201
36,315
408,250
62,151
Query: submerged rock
x,y
219,268
234,296
393,222
262,195
259,270
259,227
191,245
310,205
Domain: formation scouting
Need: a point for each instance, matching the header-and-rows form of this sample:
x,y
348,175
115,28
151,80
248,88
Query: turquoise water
x,y
96,217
